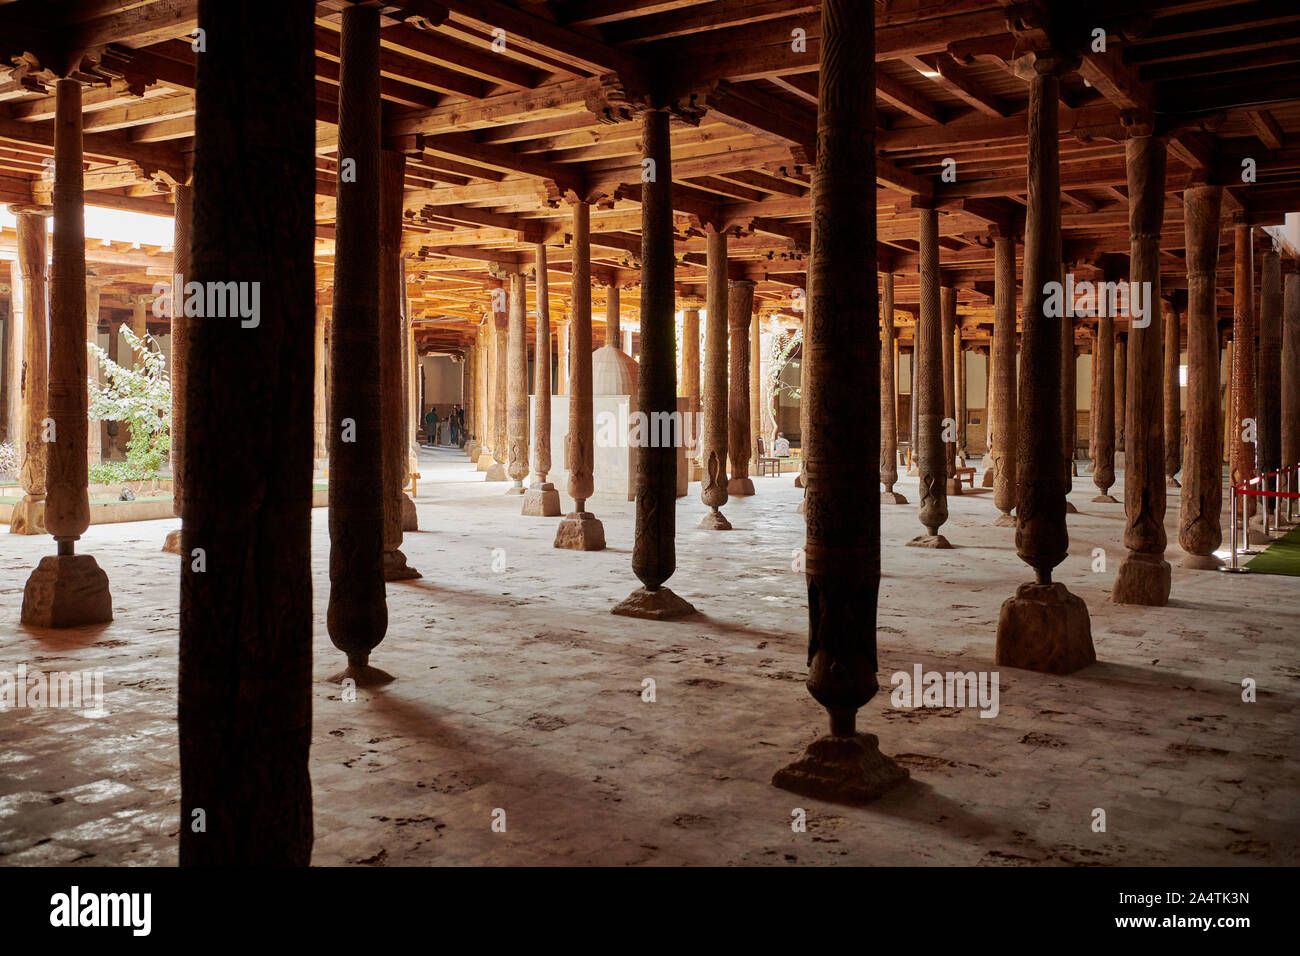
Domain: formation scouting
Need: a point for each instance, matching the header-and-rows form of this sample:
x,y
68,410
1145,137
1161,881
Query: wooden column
x,y
713,453
1201,504
392,364
517,385
691,382
487,391
1069,398
1103,410
1227,447
1244,420
1290,412
28,515
67,589
613,327
182,204
542,500
1043,627
959,389
1269,390
928,392
842,550
94,429
1004,379
320,434
1144,574
580,530
562,331
1121,387
888,397
757,401
245,701
948,306
500,332
358,608
740,305
1173,456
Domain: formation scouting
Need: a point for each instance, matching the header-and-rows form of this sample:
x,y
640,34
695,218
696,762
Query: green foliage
x,y
783,348
139,397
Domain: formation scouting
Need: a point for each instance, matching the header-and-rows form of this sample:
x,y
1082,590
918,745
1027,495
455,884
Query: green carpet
x,y
1281,557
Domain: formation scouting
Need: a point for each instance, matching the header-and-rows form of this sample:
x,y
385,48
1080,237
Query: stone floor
x,y
517,690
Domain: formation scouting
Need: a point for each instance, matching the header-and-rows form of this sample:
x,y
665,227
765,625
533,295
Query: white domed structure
x,y
613,372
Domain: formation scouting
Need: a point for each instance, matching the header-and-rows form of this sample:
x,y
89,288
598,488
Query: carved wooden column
x,y
1269,390
94,430
1043,627
392,364
1121,387
245,701
757,401
654,554
843,524
580,530
28,515
948,325
1004,379
1172,400
1144,574
562,330
67,589
1199,528
987,455
1242,466
613,323
182,203
358,608
1227,447
517,384
1103,411
713,452
320,434
1290,413
487,390
1069,403
542,500
740,305
959,390
888,394
928,392
500,333
691,381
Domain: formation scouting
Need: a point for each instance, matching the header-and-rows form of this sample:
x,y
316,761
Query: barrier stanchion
x,y
1232,531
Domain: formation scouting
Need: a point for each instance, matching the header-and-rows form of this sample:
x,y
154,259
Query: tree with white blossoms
x,y
140,397
781,350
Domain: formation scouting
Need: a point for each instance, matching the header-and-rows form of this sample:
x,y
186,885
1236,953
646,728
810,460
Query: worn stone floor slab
x,y
518,691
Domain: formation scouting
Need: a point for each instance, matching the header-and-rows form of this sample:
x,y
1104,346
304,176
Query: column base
x,y
660,604
172,543
485,461
1106,499
67,590
363,675
1142,579
1005,521
1173,483
1044,628
803,507
580,531
987,480
716,521
471,450
28,516
740,487
1201,562
934,541
953,487
410,520
1070,509
396,568
1257,536
517,488
892,498
496,472
798,480
842,769
541,500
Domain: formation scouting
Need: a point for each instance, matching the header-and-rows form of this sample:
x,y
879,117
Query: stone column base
x,y
842,769
1005,521
1257,536
1106,499
892,498
541,500
580,531
1142,579
471,450
740,487
716,521
496,472
933,541
363,675
1201,562
172,544
517,488
798,480
1070,509
67,590
660,604
28,516
396,568
953,486
1044,628
1173,483
410,520
485,460
987,480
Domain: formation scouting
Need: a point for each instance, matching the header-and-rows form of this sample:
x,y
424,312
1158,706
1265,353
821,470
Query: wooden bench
x,y
966,473
767,461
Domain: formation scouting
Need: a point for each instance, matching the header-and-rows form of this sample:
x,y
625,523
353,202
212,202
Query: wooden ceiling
x,y
504,107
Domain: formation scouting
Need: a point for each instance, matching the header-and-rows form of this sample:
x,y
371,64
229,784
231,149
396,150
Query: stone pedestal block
x,y
28,516
892,498
485,461
410,521
1107,499
496,472
1201,562
1005,521
172,543
660,604
580,531
842,769
67,591
363,675
541,501
715,521
1142,579
396,568
934,541
740,487
1044,628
